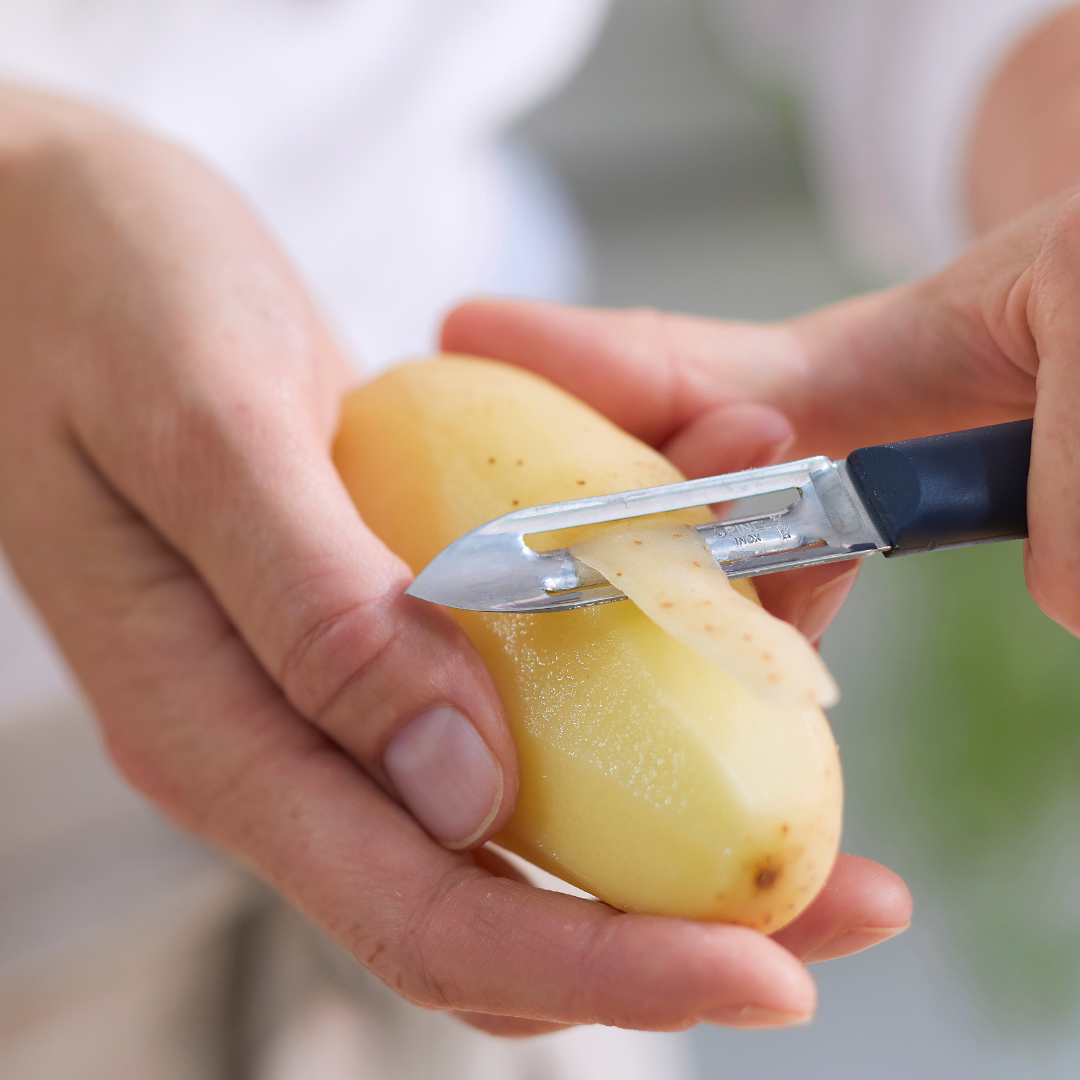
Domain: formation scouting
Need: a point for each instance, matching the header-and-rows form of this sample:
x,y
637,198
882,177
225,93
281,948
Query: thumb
x,y
259,512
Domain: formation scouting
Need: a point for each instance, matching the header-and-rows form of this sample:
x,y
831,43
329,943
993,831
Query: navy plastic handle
x,y
969,487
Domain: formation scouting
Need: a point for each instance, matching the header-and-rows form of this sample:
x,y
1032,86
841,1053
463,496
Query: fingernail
x,y
446,776
853,941
751,1016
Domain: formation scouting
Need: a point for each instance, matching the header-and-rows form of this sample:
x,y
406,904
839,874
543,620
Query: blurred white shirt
x,y
889,89
365,131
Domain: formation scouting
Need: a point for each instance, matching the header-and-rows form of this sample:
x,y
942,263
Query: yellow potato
x,y
650,777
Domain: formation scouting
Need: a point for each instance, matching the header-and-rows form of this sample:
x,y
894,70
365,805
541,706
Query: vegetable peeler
x,y
944,491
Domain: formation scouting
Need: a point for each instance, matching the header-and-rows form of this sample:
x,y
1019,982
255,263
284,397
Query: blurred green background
x,y
973,770
960,736
960,724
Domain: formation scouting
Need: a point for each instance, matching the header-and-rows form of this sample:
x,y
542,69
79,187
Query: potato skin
x,y
649,777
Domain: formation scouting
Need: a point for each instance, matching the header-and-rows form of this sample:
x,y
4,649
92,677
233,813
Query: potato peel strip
x,y
667,570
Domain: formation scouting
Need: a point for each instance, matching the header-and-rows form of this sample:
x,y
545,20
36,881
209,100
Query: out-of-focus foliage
x,y
985,796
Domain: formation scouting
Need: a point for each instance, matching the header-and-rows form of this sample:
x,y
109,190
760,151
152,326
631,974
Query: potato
x,y
651,777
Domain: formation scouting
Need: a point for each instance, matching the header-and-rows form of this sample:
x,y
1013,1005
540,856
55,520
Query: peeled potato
x,y
651,776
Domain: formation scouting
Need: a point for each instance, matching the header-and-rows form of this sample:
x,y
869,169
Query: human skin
x,y
168,396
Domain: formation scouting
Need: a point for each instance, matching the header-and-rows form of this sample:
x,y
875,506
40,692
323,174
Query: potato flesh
x,y
649,776
666,569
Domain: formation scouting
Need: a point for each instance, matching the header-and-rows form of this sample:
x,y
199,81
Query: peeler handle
x,y
968,487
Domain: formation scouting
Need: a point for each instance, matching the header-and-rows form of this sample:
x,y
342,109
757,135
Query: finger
x,y
1051,554
729,438
861,905
650,373
809,598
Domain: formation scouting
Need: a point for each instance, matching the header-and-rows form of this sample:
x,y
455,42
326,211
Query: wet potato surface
x,y
650,776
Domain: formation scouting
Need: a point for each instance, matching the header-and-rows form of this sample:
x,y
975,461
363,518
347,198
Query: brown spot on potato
x,y
618,573
639,542
491,461
580,483
767,919
667,603
519,462
697,565
514,502
767,657
785,828
748,637
766,876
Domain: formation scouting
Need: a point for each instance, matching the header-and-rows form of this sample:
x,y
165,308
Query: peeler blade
x,y
492,568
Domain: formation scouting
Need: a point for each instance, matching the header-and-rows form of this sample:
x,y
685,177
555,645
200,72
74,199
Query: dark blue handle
x,y
969,487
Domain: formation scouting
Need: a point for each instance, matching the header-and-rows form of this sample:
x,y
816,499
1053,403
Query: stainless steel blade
x,y
493,569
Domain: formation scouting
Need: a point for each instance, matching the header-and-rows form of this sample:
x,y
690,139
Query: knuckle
x,y
433,935
431,946
357,670
203,451
337,648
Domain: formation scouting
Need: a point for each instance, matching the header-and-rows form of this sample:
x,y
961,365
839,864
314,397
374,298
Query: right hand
x,y
992,338
168,396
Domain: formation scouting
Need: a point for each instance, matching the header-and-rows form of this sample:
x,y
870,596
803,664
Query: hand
x,y
167,400
992,338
